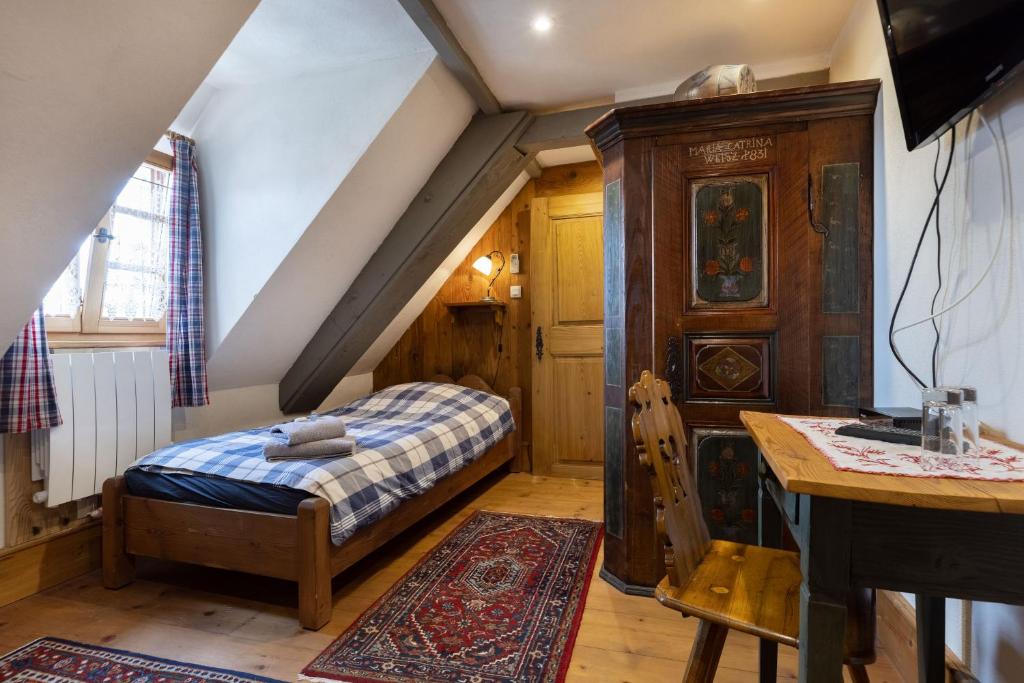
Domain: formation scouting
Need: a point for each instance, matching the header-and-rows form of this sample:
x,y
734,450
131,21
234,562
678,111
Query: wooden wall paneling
x,y
897,635
578,178
25,520
37,565
438,342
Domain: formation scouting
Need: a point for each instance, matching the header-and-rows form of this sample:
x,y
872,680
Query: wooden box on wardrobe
x,y
738,265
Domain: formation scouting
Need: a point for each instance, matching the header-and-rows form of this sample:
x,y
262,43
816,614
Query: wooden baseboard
x,y
897,635
37,565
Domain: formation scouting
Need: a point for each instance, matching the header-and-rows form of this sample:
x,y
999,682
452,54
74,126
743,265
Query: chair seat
x,y
744,587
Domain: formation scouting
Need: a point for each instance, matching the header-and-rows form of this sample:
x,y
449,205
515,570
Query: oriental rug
x,y
499,600
53,660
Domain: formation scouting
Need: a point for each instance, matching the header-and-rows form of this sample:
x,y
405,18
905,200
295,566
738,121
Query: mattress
x,y
214,491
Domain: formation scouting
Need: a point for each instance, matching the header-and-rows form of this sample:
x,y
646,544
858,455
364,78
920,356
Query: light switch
x,y
516,291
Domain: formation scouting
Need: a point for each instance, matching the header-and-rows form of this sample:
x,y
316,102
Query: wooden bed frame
x,y
292,547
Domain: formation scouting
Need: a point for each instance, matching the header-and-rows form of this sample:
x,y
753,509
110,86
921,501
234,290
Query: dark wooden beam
x,y
476,171
433,26
565,128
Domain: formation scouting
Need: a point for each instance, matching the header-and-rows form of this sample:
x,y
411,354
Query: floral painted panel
x,y
726,464
730,241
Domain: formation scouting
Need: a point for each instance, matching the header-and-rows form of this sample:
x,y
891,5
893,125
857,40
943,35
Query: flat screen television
x,y
948,56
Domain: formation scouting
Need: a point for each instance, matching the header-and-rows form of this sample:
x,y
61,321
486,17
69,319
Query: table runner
x,y
850,454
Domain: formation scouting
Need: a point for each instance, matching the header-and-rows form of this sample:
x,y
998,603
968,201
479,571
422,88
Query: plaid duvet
x,y
409,437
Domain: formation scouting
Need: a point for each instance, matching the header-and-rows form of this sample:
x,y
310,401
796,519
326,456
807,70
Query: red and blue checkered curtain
x,y
28,400
185,339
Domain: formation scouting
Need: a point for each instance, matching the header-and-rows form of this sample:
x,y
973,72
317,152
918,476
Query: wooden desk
x,y
936,538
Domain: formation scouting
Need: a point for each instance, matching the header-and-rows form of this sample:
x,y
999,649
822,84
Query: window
x,y
117,282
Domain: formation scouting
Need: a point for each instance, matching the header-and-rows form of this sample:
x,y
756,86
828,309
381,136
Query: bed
x,y
293,521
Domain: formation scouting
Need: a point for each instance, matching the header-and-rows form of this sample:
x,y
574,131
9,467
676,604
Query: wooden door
x,y
732,240
567,257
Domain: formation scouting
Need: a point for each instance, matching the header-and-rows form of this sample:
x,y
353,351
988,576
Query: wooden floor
x,y
249,623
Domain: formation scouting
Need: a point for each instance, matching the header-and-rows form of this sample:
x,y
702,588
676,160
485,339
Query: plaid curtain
x,y
185,339
28,400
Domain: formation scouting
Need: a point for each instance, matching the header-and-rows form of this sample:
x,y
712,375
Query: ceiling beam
x,y
565,128
472,176
433,26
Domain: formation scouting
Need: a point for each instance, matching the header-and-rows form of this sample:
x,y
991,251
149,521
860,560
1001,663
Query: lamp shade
x,y
483,264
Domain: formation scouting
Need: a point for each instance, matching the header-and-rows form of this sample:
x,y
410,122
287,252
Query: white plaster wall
x,y
244,408
983,343
269,292
86,89
271,155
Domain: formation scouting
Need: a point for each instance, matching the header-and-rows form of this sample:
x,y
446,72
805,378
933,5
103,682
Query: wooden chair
x,y
724,584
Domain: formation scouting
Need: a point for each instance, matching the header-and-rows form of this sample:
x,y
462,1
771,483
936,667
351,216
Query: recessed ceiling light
x,y
541,23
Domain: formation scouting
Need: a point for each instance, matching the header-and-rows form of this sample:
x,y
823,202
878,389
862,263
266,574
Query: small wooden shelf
x,y
497,307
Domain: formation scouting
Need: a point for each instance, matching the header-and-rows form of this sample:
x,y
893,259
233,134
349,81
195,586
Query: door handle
x,y
816,226
539,343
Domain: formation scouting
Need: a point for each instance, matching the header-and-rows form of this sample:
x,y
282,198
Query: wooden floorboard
x,y
249,623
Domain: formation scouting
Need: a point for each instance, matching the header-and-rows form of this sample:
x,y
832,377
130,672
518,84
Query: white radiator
x,y
116,408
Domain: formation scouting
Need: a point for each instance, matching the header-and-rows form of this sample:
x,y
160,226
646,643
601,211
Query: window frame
x,y
87,328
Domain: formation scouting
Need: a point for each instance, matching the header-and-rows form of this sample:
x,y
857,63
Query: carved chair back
x,y
661,444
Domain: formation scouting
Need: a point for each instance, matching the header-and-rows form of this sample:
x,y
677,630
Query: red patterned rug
x,y
499,600
53,660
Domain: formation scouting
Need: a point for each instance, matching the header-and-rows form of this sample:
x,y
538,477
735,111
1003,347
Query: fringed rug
x,y
499,600
52,660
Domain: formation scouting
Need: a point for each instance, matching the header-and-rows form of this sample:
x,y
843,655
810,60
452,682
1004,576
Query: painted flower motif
x,y
711,216
725,200
717,514
742,469
728,453
747,264
742,214
747,515
711,268
714,468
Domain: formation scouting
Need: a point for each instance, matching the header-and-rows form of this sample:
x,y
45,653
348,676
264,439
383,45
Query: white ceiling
x,y
599,47
285,38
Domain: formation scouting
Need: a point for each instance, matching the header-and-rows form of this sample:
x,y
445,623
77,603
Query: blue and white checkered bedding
x,y
409,437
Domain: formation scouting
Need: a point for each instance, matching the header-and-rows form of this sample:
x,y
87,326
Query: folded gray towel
x,y
325,448
306,429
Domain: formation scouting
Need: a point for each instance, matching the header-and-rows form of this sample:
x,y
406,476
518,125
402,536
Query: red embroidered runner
x,y
850,454
499,600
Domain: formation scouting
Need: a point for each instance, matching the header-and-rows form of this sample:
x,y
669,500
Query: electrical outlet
x,y
516,291
513,265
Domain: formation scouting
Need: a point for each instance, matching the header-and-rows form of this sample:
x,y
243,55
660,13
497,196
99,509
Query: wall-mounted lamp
x,y
485,264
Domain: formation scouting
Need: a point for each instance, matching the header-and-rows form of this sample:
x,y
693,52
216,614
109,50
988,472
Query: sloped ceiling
x,y
86,89
280,287
287,38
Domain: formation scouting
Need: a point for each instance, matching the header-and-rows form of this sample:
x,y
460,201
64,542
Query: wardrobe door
x,y
731,246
